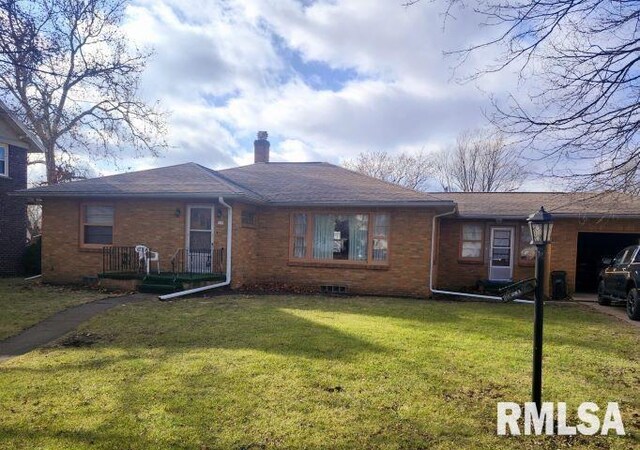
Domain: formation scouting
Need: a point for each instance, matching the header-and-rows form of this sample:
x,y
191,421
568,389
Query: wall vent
x,y
333,289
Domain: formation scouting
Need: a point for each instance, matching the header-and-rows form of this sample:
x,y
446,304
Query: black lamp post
x,y
540,225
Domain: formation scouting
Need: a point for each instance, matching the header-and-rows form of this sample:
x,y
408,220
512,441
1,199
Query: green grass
x,y
314,372
25,303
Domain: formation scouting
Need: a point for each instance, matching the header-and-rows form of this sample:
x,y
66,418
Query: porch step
x,y
159,279
492,287
160,288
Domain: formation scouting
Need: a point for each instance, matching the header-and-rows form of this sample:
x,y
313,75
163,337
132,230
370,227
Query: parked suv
x,y
620,281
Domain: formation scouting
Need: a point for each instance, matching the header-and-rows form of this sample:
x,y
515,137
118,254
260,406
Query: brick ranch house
x,y
312,224
15,143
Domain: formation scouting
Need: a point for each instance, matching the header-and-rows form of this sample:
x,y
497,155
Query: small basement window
x,y
333,289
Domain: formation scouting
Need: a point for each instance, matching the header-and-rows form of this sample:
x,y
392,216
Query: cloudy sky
x,y
326,79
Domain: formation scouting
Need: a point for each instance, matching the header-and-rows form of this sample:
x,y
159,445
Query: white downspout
x,y
458,294
227,281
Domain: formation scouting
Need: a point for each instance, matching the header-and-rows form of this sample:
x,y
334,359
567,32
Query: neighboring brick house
x,y
488,237
310,224
15,143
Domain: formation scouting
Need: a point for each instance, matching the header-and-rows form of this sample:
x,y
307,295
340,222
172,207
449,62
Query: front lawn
x,y
25,303
315,372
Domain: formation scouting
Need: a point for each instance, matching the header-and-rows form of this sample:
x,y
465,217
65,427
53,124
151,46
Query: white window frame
x,y
6,160
310,231
471,259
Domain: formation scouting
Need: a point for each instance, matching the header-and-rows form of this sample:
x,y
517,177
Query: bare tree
x,y
69,72
479,162
408,170
579,62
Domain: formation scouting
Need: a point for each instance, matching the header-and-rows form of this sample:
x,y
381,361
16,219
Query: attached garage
x,y
592,247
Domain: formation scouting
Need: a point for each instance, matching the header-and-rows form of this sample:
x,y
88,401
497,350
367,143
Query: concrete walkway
x,y
59,324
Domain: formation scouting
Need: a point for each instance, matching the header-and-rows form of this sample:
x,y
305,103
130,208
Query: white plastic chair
x,y
148,256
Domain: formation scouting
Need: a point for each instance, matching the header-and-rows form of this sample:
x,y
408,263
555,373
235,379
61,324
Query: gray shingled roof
x,y
270,183
319,183
519,205
184,180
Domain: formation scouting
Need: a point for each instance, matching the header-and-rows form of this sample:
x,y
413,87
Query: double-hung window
x,y
471,242
324,237
299,235
97,225
380,239
4,160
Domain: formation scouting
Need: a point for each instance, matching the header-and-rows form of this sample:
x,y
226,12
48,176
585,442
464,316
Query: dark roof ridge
x,y
272,163
228,181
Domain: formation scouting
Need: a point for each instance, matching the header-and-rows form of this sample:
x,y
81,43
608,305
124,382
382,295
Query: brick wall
x,y
150,222
13,214
260,253
407,273
561,254
452,273
245,248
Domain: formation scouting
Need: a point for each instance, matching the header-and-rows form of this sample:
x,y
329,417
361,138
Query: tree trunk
x,y
50,163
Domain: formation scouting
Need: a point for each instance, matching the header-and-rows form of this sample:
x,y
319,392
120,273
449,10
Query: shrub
x,y
31,261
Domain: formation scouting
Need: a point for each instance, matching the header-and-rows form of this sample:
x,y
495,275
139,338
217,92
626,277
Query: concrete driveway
x,y
618,310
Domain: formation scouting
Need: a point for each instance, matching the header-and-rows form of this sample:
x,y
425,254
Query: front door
x,y
199,251
501,257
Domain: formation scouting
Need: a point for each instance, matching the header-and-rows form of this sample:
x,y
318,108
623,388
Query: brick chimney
x,y
261,148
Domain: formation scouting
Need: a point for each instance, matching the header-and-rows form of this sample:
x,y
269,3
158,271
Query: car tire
x,y
602,300
633,304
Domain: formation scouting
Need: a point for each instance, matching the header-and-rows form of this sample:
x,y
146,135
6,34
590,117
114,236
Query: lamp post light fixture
x,y
540,226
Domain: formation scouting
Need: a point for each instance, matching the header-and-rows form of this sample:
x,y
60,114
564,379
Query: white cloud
x,y
201,48
363,116
326,80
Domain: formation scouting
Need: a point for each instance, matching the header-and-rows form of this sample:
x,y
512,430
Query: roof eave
x,y
358,204
165,195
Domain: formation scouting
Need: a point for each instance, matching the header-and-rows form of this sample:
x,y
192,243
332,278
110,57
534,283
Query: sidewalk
x,y
59,324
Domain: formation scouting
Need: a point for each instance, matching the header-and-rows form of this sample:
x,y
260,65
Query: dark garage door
x,y
592,247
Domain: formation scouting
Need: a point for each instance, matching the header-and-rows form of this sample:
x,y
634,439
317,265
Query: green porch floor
x,y
163,276
165,282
